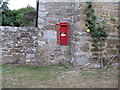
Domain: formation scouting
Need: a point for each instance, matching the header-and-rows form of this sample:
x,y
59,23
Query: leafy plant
x,y
113,18
14,17
20,14
97,30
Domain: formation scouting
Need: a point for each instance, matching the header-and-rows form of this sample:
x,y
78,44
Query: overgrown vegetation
x,y
15,17
98,31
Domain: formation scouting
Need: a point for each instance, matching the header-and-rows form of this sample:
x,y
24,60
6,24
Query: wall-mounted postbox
x,y
63,33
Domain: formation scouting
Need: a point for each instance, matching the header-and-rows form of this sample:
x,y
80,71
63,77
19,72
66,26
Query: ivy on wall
x,y
98,32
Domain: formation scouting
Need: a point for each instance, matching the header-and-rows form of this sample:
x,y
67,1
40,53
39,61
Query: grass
x,y
57,76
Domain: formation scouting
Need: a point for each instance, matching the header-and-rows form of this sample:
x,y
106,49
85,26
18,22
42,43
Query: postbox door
x,y
63,34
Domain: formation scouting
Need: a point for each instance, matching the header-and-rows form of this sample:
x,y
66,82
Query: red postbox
x,y
63,33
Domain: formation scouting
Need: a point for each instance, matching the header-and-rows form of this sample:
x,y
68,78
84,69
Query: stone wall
x,y
28,45
78,52
19,45
80,48
38,46
108,11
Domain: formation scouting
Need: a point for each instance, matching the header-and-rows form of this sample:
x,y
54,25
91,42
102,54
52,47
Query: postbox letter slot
x,y
63,25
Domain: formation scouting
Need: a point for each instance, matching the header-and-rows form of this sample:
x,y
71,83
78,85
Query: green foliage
x,y
14,17
4,6
8,18
97,30
20,14
113,18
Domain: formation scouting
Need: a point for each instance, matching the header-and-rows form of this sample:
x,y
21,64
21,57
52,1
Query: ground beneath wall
x,y
58,77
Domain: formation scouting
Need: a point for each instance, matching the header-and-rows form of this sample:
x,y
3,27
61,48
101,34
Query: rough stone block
x,y
82,60
42,14
28,60
42,7
111,51
49,27
41,43
85,48
50,35
30,56
112,41
52,21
